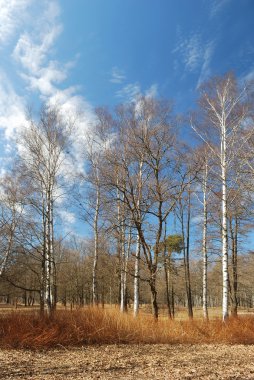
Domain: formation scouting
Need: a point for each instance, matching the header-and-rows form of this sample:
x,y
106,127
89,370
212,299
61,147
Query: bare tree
x,y
42,159
224,109
145,151
12,207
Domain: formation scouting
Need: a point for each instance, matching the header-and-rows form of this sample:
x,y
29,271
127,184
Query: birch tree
x,y
204,238
42,156
223,111
12,207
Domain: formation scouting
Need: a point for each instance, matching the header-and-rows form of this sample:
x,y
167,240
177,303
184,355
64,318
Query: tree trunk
x,y
204,244
10,242
136,278
95,258
155,308
224,229
234,286
138,246
124,297
7,253
122,274
187,256
173,300
49,259
166,271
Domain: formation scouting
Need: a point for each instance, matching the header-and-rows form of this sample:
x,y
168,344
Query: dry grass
x,y
98,326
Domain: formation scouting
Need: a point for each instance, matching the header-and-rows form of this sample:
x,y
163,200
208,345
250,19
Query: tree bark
x,y
96,243
234,286
204,243
155,308
166,272
224,229
136,278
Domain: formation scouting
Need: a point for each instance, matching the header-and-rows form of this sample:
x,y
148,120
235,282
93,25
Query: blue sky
x,y
86,53
165,46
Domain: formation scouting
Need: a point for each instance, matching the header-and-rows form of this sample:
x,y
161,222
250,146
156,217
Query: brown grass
x,y
98,326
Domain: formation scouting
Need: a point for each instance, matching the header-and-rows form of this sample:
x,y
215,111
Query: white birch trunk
x,y
136,278
122,275
10,241
121,245
95,258
204,243
125,271
48,259
52,256
6,254
224,229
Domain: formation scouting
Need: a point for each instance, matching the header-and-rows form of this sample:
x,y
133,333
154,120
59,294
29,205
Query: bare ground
x,y
131,362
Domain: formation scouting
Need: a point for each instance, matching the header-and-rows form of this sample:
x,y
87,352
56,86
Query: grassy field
x,y
24,328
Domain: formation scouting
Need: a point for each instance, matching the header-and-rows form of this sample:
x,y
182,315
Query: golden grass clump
x,y
99,326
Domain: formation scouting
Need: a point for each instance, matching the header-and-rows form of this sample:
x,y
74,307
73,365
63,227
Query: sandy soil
x,y
131,362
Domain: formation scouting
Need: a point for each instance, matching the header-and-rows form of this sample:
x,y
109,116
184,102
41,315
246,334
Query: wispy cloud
x,y
43,74
190,51
206,67
67,217
12,108
194,54
10,20
32,53
132,91
129,92
117,75
13,15
216,6
33,47
152,92
248,77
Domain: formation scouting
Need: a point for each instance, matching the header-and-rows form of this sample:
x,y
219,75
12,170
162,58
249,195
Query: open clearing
x,y
131,362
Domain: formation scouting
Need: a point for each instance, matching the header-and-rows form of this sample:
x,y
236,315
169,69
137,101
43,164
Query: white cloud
x,y
190,50
67,217
152,92
217,6
132,91
33,49
205,69
13,13
33,53
195,54
129,92
16,15
12,108
117,75
43,74
197,219
249,76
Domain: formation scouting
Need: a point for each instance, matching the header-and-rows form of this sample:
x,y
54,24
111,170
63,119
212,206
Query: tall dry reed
x,y
99,326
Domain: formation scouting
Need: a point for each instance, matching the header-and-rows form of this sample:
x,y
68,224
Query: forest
x,y
163,203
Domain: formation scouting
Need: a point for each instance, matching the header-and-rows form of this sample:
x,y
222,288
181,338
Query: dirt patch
x,y
131,362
